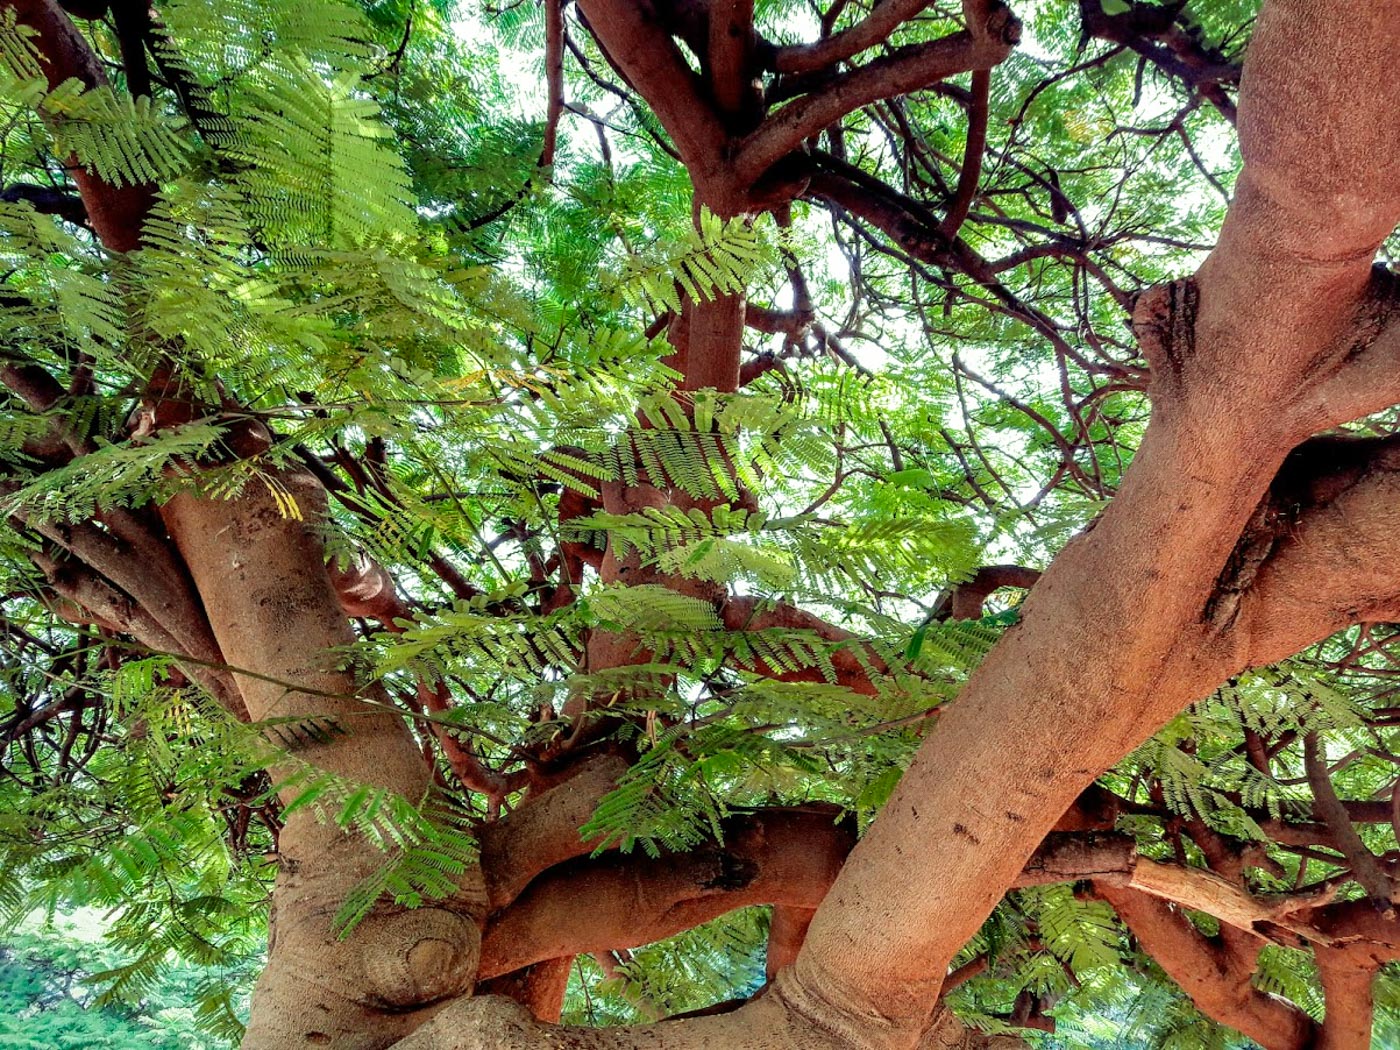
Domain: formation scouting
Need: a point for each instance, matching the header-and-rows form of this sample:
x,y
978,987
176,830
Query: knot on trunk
x,y
997,23
418,957
1164,322
731,873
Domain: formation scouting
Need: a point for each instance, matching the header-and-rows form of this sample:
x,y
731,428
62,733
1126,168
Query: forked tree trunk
x,y
1280,335
1284,332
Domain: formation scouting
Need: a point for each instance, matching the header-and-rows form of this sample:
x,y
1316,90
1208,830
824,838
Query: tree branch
x,y
1152,32
1365,869
1348,976
1327,557
48,201
115,212
1311,204
874,29
783,856
544,831
965,600
636,42
1217,982
905,69
972,155
729,53
852,660
554,77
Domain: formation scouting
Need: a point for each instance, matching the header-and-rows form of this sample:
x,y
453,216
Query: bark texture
x,y
262,578
1237,538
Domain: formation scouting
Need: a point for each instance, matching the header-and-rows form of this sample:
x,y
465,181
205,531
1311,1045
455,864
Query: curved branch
x,y
972,155
905,69
1218,982
1311,204
874,29
159,589
116,213
852,659
119,613
782,856
1152,32
635,40
1365,868
965,601
544,831
1328,552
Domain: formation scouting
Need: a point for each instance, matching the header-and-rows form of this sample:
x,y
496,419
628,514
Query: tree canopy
x,y
512,489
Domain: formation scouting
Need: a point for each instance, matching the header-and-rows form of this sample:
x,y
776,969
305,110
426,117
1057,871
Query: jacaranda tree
x,y
727,524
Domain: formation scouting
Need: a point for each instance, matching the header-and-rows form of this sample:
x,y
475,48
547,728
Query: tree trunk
x,y
264,584
1281,334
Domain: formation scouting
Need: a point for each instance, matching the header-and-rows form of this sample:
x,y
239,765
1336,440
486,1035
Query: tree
x,y
50,1000
354,518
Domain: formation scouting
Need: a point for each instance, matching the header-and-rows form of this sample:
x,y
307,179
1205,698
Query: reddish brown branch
x,y
786,932
151,576
115,212
105,605
1365,868
544,832
874,29
783,856
539,988
965,601
1217,981
903,70
730,52
1151,30
1348,977
554,77
635,40
364,588
972,155
851,658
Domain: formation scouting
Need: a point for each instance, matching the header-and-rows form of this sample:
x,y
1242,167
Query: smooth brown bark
x,y
540,987
1285,294
1285,331
990,38
262,579
1277,299
1348,977
620,901
786,932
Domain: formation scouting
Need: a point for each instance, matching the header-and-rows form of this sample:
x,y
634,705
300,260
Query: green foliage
x,y
356,254
49,1001
715,257
714,962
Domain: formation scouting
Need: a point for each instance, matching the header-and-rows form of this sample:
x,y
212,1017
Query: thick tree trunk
x,y
1138,617
1280,335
